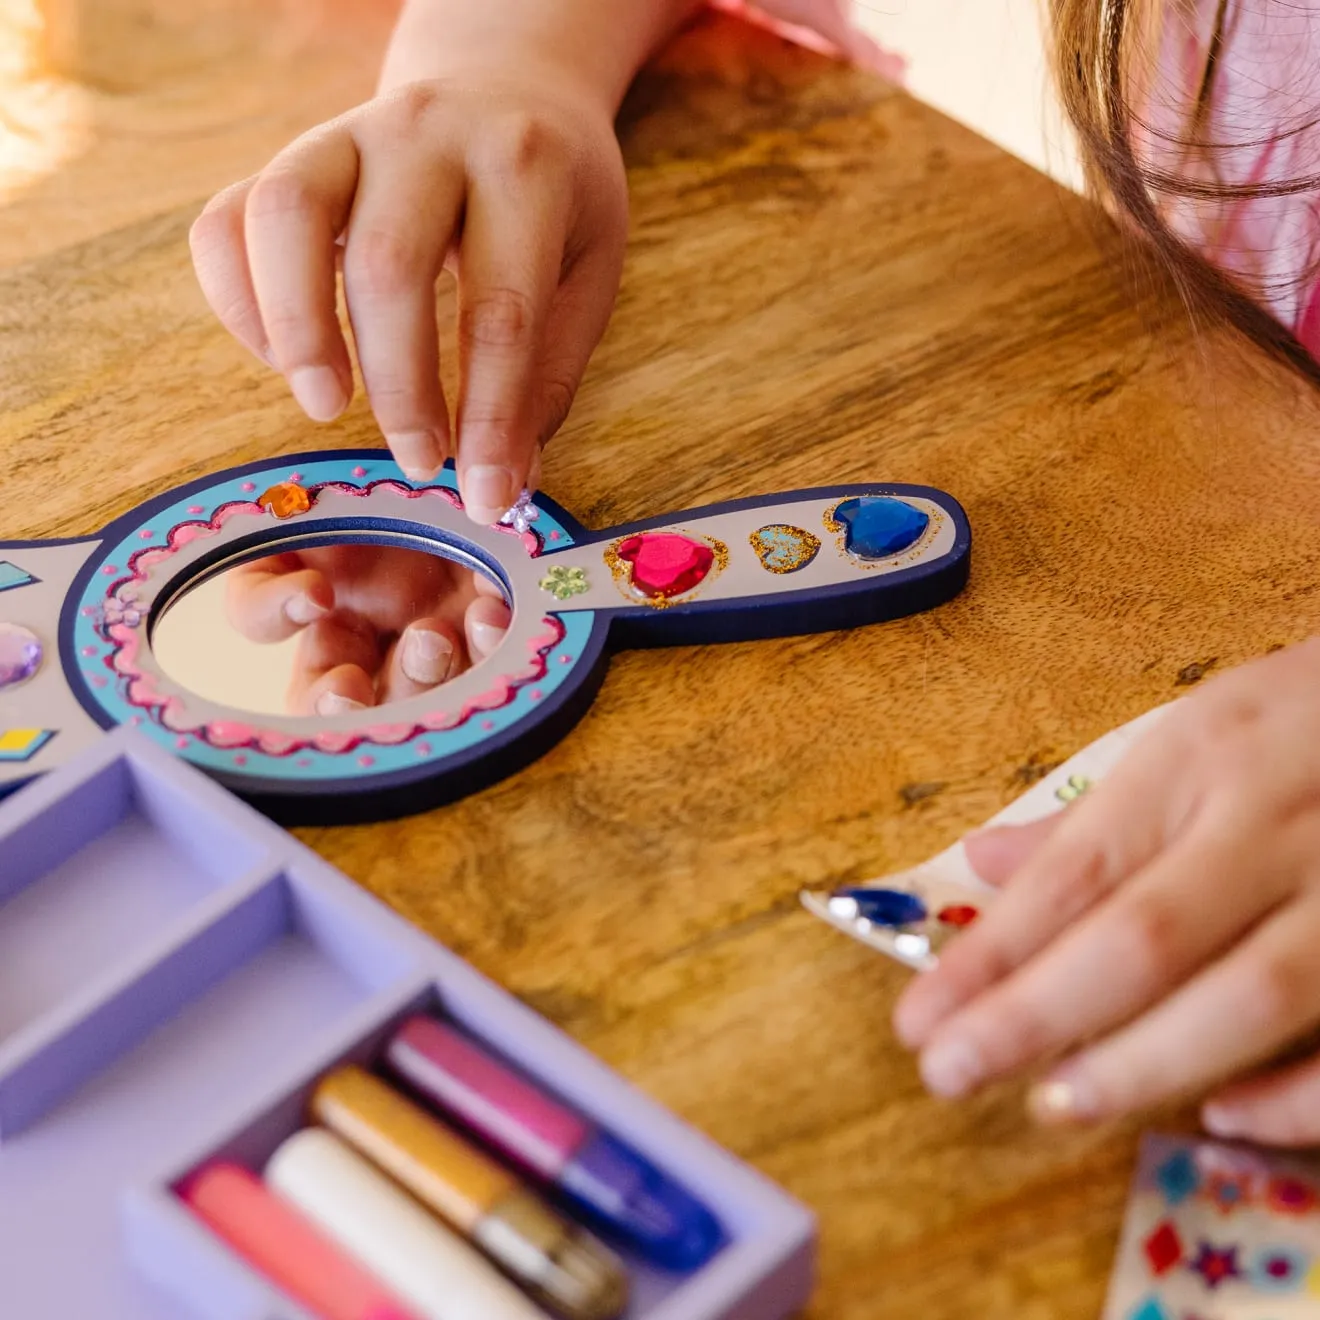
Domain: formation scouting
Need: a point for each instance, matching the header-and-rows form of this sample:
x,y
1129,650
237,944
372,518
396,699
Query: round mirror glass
x,y
331,629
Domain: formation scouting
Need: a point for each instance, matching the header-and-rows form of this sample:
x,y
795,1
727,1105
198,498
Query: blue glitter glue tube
x,y
606,1179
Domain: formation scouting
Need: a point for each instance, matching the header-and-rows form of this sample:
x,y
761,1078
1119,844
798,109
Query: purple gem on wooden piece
x,y
21,654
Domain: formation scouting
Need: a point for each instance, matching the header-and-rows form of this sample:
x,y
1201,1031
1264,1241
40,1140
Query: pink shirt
x,y
1261,122
822,24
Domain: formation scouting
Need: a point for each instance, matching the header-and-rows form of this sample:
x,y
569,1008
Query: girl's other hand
x,y
519,189
1161,935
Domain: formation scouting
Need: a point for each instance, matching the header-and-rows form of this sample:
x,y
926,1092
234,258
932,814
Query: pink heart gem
x,y
666,564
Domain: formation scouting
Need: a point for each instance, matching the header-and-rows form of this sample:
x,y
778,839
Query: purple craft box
x,y
175,974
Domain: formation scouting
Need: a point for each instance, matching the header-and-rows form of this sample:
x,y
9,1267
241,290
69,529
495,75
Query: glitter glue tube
x,y
378,1223
606,1179
276,1240
561,1265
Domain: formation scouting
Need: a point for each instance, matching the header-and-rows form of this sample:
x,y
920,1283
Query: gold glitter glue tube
x,y
560,1264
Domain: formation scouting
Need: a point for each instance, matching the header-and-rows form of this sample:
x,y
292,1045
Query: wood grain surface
x,y
827,282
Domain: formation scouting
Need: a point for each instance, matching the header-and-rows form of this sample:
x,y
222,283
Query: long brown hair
x,y
1099,46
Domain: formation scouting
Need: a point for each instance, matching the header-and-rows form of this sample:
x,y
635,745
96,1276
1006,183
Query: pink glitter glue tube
x,y
609,1181
273,1237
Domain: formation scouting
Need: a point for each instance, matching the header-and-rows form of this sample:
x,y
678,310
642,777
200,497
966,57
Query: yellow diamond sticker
x,y
23,744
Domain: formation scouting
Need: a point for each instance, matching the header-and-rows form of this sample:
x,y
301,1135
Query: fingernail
x,y
332,703
489,493
303,609
319,391
419,453
1063,1100
1221,1121
426,656
486,637
951,1068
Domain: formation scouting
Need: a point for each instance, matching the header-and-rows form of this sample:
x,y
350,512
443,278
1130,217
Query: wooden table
x,y
827,283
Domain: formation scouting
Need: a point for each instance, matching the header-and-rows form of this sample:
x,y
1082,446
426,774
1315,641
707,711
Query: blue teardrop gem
x,y
886,907
876,526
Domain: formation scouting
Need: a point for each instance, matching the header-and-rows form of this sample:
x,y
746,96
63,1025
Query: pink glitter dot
x,y
488,725
423,749
248,486
109,570
359,471
304,762
89,650
98,680
181,743
146,534
240,759
196,508
366,762
536,694
87,612
295,476
554,536
135,721
565,659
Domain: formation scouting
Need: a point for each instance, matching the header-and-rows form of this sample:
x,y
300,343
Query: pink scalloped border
x,y
232,735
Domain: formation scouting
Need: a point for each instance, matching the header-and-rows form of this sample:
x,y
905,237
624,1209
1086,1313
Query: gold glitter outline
x,y
814,541
619,569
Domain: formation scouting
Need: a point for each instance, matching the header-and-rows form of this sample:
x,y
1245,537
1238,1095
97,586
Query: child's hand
x,y
1164,931
520,188
375,624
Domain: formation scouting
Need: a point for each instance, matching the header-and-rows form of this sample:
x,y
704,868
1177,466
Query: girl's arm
x,y
594,46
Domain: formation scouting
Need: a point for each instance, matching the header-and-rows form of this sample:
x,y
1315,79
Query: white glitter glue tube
x,y
389,1233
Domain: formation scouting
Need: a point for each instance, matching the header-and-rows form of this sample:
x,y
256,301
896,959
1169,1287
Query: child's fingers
x,y
513,247
1235,1014
337,658
1123,956
219,256
485,623
268,605
579,314
1277,1108
997,854
340,691
488,587
295,211
429,652
408,207
1098,843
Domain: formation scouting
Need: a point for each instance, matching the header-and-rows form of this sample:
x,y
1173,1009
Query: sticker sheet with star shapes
x,y
1218,1232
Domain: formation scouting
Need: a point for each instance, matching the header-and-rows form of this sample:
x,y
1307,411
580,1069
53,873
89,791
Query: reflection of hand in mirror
x,y
376,624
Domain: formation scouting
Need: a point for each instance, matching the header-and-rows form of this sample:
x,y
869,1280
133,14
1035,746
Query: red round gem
x,y
664,563
960,914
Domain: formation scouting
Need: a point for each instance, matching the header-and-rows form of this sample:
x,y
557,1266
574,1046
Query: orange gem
x,y
285,500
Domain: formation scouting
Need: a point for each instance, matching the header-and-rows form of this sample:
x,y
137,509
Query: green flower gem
x,y
1076,786
564,583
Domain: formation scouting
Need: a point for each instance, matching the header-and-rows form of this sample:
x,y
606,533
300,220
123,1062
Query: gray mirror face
x,y
330,629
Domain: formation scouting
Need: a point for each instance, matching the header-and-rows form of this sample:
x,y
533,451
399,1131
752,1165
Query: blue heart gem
x,y
876,526
885,907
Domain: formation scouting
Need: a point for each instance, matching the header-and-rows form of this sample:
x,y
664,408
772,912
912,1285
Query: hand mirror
x,y
92,630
